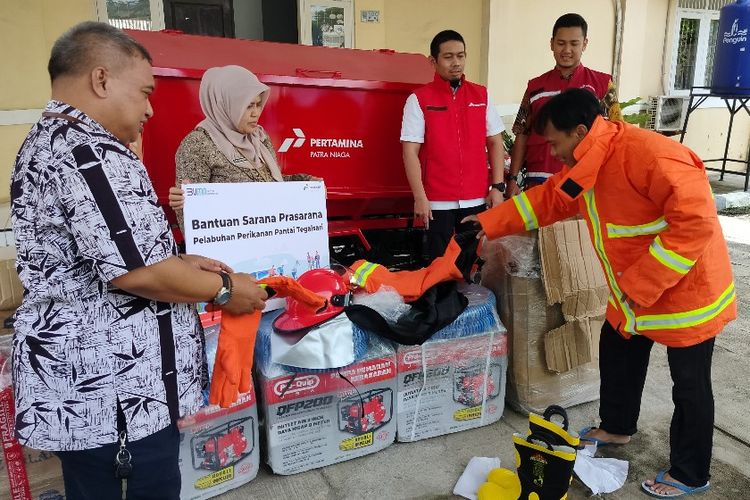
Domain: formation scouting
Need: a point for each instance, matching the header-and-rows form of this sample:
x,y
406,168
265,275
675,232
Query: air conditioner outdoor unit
x,y
667,114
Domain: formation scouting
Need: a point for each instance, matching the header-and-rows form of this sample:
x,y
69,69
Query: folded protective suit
x,y
438,307
431,291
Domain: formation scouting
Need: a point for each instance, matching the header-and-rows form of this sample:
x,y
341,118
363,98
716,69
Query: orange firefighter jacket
x,y
653,223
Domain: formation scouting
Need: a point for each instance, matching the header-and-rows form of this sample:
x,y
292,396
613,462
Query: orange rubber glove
x,y
234,357
236,349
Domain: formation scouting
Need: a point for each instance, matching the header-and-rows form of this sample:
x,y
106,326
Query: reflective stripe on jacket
x,y
653,223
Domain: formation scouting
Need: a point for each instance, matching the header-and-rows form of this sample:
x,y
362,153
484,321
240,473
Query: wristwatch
x,y
511,177
225,292
500,186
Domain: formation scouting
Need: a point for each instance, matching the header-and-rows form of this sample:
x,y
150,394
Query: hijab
x,y
225,94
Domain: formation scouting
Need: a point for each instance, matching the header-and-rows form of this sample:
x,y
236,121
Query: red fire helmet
x,y
324,282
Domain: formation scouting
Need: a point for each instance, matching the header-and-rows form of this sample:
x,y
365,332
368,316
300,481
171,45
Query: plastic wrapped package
x,y
479,318
314,419
218,446
386,301
516,254
456,380
452,385
264,359
524,311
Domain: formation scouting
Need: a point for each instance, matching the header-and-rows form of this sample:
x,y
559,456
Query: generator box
x,y
456,380
219,448
319,418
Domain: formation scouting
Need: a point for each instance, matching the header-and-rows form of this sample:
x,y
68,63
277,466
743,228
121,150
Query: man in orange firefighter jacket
x,y
653,223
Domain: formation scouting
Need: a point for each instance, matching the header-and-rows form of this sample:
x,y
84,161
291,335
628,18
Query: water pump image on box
x,y
368,412
224,445
471,383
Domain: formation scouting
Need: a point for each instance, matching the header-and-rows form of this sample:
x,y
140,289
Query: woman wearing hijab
x,y
228,145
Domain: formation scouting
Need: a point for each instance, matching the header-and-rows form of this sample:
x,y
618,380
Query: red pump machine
x,y
333,113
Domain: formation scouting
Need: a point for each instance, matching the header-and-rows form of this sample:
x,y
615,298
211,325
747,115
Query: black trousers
x,y
623,365
444,224
90,474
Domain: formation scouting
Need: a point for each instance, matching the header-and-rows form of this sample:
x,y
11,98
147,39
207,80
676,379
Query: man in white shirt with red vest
x,y
449,134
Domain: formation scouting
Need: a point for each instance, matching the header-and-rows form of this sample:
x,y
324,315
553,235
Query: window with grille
x,y
695,30
132,14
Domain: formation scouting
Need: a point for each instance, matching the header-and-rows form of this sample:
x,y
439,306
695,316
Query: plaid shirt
x,y
84,212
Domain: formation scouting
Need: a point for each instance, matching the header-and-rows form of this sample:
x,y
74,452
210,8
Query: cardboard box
x,y
25,474
571,271
525,312
318,418
11,290
572,344
45,481
449,386
219,448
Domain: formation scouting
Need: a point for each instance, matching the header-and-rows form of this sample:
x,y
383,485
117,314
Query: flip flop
x,y
684,489
599,442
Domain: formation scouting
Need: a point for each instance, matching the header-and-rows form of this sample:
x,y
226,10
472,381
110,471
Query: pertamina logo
x,y
296,142
322,147
298,384
735,35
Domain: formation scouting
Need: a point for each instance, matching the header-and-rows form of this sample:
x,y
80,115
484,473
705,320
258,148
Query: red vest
x,y
454,153
539,162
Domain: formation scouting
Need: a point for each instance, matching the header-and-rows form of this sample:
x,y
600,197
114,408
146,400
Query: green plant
x,y
640,118
507,141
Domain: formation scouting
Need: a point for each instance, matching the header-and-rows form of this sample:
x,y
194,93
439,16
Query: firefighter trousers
x,y
623,365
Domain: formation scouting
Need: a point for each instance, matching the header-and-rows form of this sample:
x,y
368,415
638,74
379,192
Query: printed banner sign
x,y
260,228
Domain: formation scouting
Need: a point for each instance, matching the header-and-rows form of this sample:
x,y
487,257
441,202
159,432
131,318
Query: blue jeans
x,y
90,474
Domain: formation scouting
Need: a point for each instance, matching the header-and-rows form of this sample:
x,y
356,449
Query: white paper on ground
x,y
474,476
601,475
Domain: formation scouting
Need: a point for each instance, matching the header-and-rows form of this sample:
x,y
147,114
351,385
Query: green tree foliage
x,y
640,118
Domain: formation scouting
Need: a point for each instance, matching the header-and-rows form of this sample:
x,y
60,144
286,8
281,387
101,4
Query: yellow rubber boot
x,y
556,434
545,471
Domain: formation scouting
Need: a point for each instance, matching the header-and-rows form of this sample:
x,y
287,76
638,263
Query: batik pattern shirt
x,y
84,213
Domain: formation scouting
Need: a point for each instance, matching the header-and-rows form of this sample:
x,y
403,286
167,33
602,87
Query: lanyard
x,y
72,119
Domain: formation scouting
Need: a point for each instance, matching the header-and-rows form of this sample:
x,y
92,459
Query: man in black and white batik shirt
x,y
107,339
